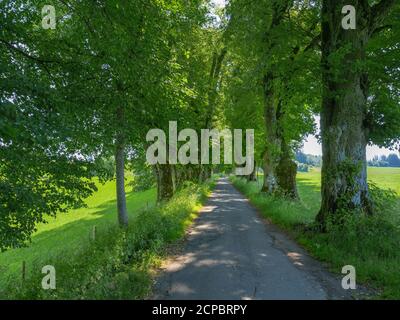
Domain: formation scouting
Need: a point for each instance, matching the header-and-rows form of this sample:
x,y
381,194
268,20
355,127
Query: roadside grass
x,y
371,245
118,264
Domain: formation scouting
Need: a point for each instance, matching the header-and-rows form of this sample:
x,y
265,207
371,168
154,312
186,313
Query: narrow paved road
x,y
231,253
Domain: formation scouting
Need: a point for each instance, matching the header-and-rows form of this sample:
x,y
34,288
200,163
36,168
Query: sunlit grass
x,y
309,184
69,231
120,263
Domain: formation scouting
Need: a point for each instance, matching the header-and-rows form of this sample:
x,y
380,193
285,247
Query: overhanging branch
x,y
378,14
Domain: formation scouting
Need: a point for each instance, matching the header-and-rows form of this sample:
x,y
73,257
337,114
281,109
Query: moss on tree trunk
x,y
344,111
286,172
271,152
165,182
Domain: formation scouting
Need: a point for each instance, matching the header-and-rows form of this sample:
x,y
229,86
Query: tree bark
x,y
215,75
204,171
344,110
120,172
165,182
286,172
271,153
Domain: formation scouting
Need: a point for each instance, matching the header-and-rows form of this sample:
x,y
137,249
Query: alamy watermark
x,y
49,280
349,20
188,153
48,17
349,280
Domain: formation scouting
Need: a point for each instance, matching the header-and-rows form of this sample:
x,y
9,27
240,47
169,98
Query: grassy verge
x,y
371,245
118,263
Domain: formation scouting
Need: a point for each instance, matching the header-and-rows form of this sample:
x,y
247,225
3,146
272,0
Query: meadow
x,y
119,263
309,184
369,243
70,231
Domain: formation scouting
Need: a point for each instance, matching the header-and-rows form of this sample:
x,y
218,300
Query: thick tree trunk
x,y
120,173
165,182
215,75
271,153
205,171
272,150
344,110
286,172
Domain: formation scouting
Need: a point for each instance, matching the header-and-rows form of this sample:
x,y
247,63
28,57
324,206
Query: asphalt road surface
x,y
232,253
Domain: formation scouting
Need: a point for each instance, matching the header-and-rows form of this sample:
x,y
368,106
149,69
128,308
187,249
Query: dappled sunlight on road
x,y
229,255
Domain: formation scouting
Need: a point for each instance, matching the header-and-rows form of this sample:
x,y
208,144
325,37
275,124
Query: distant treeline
x,y
392,160
305,160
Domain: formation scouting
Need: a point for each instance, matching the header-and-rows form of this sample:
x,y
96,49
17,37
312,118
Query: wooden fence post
x,y
23,270
94,231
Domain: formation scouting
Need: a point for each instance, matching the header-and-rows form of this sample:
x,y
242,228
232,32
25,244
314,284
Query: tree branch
x,y
25,54
379,12
382,28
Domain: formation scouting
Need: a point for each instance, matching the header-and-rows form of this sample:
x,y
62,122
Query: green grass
x,y
69,231
119,264
386,177
309,184
369,244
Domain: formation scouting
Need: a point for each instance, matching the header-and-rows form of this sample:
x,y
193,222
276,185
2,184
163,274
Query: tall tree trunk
x,y
271,153
204,171
344,107
215,74
286,172
165,182
120,171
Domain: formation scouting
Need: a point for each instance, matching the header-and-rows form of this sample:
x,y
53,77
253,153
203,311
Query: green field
x,y
309,183
119,263
69,231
